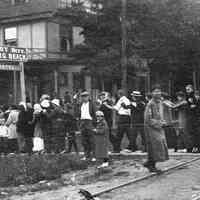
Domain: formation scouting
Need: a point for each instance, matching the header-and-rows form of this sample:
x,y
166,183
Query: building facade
x,y
48,36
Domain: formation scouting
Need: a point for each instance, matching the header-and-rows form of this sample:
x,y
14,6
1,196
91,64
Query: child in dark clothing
x,y
71,127
3,136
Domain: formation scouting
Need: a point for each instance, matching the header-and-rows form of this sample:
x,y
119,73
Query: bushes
x,y
24,169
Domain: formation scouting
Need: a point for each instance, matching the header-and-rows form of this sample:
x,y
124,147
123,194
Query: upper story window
x,y
65,38
17,2
10,36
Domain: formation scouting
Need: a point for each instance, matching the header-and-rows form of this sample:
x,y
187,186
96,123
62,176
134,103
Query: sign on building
x,y
8,67
13,54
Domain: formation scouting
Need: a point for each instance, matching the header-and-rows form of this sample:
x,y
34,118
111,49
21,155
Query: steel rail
x,y
146,177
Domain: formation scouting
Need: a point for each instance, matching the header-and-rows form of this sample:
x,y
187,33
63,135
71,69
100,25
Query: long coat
x,y
101,140
37,125
11,123
155,136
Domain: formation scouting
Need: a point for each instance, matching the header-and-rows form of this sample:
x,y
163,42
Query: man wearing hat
x,y
105,107
124,119
191,115
87,117
154,131
137,119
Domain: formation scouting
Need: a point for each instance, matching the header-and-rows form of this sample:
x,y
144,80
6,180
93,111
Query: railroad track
x,y
146,177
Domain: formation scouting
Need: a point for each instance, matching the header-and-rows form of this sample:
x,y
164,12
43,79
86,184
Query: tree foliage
x,y
164,32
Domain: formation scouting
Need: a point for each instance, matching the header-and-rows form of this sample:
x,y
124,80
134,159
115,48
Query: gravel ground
x,y
182,184
91,179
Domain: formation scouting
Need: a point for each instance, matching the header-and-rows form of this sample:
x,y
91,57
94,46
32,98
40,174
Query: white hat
x,y
56,102
136,93
45,103
44,97
85,93
99,113
37,108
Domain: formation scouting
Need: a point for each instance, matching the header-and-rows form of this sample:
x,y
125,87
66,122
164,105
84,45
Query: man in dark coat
x,y
25,128
108,114
29,128
58,127
137,118
46,124
88,118
70,129
53,126
197,133
192,122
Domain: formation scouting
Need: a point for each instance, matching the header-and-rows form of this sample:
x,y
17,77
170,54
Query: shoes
x,y
84,159
127,151
155,170
104,165
63,152
189,150
93,159
116,153
146,164
151,167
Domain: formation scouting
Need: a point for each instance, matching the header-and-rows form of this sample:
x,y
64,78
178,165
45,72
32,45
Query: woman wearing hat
x,y
38,142
155,136
108,114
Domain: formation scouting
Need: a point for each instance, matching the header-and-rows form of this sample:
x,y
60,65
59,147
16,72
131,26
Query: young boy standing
x,y
101,139
3,136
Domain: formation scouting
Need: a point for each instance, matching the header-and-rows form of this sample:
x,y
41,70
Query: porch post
x,y
15,86
70,81
194,79
88,83
22,82
56,81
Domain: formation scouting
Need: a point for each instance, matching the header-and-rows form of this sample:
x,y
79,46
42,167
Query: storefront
x,y
12,81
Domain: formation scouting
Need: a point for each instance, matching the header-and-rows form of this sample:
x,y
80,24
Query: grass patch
x,y
24,169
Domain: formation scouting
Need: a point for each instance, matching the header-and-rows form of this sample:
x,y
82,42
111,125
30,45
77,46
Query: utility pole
x,y
124,45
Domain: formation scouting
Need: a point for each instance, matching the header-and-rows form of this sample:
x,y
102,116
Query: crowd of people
x,y
45,126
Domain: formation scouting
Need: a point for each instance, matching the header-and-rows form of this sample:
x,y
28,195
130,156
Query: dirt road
x,y
183,184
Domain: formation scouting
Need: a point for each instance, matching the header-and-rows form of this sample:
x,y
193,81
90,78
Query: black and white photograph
x,y
100,99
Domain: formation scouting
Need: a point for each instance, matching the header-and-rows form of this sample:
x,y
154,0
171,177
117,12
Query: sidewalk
x,y
141,155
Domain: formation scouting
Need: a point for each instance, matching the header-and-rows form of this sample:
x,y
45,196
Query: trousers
x,y
87,135
123,128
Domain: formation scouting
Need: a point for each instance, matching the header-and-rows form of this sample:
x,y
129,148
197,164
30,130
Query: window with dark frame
x,y
65,38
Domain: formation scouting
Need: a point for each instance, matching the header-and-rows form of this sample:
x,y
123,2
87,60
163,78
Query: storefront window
x,y
16,2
